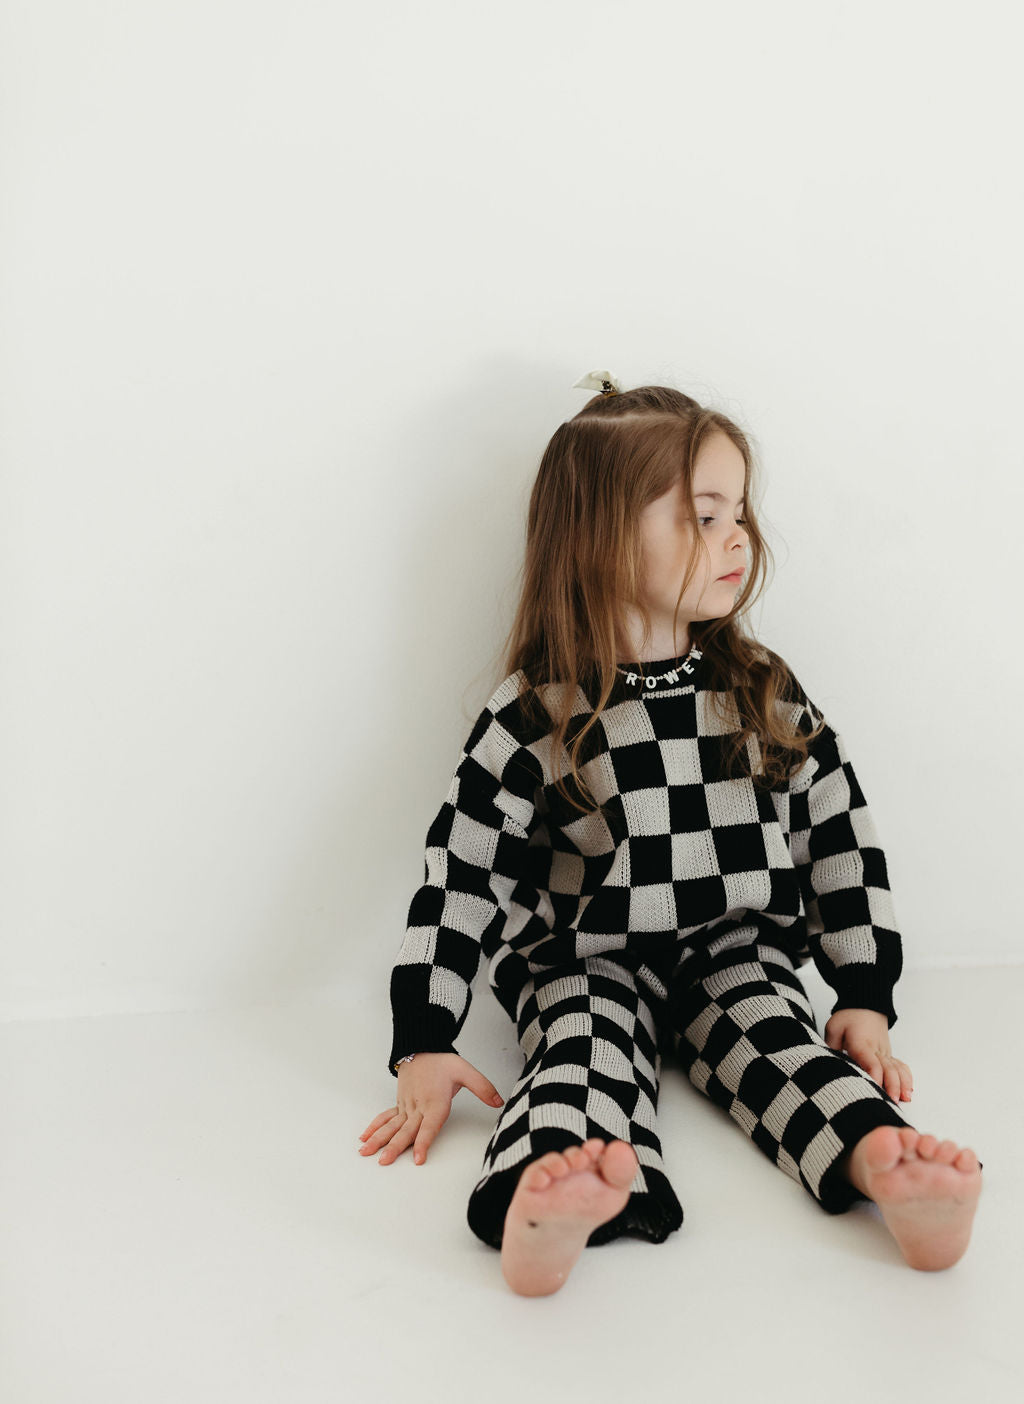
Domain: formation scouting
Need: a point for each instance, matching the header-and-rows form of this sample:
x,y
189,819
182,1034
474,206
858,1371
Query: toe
x,y
593,1150
927,1146
619,1163
577,1157
909,1139
966,1160
555,1164
882,1148
946,1151
535,1177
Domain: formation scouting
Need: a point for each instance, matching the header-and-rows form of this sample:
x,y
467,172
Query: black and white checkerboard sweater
x,y
513,871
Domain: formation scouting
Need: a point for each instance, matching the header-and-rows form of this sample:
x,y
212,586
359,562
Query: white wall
x,y
293,295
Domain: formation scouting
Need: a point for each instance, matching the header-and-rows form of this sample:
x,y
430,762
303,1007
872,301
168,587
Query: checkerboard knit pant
x,y
741,1025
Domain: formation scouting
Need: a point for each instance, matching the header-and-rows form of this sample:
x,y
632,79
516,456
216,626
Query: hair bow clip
x,y
602,380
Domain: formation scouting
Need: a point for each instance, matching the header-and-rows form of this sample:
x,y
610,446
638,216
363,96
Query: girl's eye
x,y
740,521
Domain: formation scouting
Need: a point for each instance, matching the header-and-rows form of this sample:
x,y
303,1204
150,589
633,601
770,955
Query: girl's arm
x,y
475,853
851,922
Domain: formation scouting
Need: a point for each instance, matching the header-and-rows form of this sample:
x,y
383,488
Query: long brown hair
x,y
583,564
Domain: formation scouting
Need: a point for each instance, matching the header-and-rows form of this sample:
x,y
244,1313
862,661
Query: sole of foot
x,y
926,1189
560,1199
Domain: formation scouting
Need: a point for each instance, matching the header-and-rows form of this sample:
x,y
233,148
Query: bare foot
x,y
560,1199
927,1191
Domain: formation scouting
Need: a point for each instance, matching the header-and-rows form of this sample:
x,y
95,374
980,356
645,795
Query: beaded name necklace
x,y
651,680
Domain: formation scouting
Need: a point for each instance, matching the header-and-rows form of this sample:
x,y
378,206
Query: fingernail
x,y
496,1099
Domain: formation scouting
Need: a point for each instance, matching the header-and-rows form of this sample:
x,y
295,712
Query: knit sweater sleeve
x,y
475,852
851,923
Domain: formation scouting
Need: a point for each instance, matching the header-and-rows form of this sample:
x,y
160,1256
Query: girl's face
x,y
668,538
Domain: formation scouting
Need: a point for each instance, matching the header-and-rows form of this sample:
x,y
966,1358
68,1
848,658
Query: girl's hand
x,y
864,1033
426,1087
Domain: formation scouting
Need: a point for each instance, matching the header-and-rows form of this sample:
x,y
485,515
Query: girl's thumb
x,y
490,1095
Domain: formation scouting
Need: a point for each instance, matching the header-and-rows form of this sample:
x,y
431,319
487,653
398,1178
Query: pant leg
x,y
589,1035
743,1027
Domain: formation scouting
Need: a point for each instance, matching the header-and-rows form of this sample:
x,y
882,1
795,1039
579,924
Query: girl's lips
x,y
736,575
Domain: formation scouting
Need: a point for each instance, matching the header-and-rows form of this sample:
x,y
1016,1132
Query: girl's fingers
x,y
898,1078
378,1121
890,1074
428,1131
383,1133
399,1141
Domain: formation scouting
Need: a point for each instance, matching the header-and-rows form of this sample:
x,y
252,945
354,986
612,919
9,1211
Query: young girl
x,y
650,828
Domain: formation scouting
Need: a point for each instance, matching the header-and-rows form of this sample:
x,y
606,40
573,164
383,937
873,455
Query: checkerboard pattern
x,y
678,850
736,1017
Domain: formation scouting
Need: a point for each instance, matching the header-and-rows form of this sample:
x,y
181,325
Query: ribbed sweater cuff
x,y
862,987
425,1033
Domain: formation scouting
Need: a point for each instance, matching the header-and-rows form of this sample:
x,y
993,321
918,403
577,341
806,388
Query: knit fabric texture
x,y
679,851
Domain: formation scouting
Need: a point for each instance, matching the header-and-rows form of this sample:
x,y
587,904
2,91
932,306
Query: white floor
x,y
185,1218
